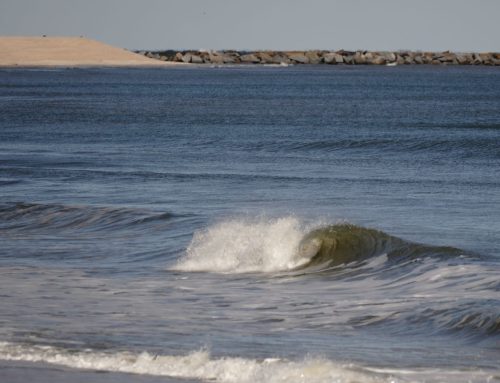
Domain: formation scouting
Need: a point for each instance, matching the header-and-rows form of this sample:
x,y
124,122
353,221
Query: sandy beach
x,y
67,52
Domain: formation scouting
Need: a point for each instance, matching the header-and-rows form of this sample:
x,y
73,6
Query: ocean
x,y
250,224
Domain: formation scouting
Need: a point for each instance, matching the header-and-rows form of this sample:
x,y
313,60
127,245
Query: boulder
x,y
279,58
348,59
329,58
462,59
379,60
195,59
186,57
215,58
249,58
264,57
389,56
339,58
298,57
418,60
313,57
359,58
409,60
178,57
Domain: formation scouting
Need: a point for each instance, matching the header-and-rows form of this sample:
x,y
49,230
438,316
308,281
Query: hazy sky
x,y
460,25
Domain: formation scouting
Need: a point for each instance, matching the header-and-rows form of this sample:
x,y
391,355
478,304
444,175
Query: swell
x,y
22,216
467,146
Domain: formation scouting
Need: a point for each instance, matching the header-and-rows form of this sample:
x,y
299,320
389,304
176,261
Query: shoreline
x,y
323,57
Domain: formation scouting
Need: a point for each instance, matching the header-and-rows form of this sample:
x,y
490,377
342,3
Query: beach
x,y
67,52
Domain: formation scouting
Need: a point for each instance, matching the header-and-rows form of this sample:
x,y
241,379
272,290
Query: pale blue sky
x,y
460,25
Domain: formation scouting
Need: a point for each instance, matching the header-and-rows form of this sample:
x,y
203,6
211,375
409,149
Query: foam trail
x,y
245,245
196,365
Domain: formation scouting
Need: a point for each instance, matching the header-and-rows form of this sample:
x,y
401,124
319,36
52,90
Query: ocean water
x,y
250,224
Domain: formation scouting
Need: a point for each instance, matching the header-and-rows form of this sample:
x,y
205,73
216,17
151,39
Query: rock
x,y
348,59
486,58
313,57
462,59
186,57
359,58
178,57
298,57
195,59
339,58
249,59
264,57
329,58
418,60
215,58
409,60
389,56
379,60
279,58
400,60
477,59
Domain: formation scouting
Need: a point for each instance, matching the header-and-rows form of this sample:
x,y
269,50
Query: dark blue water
x,y
167,211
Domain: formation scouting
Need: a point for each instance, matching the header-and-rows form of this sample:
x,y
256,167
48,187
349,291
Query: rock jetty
x,y
341,57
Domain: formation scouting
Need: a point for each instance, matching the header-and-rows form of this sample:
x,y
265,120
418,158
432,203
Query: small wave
x,y
7,182
195,365
285,244
32,216
200,365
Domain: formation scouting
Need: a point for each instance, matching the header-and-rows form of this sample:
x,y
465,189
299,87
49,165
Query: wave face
x,y
200,365
285,244
38,217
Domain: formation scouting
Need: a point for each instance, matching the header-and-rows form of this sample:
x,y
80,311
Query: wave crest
x,y
286,244
245,246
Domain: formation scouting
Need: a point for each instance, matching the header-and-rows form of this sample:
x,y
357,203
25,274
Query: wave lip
x,y
245,246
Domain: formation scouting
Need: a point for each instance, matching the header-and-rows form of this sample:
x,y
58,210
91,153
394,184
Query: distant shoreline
x,y
80,52
341,57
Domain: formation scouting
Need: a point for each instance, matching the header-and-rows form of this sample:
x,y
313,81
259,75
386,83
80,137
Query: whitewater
x,y
299,224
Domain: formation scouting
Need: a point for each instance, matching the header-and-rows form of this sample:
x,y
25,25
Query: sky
x,y
436,25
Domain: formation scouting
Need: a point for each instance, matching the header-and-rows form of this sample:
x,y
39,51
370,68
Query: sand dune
x,y
67,52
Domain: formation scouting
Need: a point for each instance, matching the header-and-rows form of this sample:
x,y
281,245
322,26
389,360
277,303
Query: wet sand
x,y
21,372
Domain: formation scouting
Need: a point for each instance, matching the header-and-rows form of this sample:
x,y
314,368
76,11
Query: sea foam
x,y
201,365
245,246
196,365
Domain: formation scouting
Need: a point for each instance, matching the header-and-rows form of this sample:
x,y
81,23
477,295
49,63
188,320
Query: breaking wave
x,y
201,365
285,244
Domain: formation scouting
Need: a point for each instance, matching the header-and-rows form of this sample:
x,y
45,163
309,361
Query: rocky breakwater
x,y
341,57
